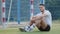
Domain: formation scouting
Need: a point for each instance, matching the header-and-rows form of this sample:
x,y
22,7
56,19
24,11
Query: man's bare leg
x,y
32,22
43,26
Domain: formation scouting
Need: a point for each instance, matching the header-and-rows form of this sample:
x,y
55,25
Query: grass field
x,y
55,30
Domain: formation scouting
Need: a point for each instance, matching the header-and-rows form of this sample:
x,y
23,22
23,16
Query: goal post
x,y
3,14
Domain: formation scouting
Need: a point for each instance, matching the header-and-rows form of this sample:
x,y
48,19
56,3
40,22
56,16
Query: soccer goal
x,y
16,12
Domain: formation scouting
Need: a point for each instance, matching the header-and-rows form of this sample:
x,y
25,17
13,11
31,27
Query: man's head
x,y
42,7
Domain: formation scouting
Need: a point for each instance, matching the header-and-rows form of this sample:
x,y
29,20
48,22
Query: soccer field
x,y
55,30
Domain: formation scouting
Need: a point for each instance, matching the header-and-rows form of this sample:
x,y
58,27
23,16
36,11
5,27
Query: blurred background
x,y
11,25
52,5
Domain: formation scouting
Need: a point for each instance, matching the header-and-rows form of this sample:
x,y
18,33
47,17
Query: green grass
x,y
55,30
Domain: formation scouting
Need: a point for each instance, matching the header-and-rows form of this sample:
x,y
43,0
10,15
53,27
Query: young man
x,y
43,20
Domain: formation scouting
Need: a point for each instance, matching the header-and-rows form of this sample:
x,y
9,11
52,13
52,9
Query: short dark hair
x,y
41,4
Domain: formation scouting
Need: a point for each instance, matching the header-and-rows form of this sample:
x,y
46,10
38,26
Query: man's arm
x,y
41,16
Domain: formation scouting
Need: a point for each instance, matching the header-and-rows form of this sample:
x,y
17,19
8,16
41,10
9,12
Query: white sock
x,y
29,28
32,26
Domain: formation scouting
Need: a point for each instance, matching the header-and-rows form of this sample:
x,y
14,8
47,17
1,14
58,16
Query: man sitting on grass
x,y
43,21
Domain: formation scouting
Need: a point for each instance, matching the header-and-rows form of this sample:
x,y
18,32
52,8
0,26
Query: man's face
x,y
42,8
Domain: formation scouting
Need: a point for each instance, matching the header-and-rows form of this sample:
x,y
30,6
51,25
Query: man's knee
x,y
42,19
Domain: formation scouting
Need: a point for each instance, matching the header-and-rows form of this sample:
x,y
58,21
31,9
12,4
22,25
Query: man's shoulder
x,y
47,11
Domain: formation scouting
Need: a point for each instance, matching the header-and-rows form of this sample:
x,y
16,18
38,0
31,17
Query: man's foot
x,y
22,30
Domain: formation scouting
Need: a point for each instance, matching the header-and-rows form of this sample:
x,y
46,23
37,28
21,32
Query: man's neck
x,y
42,12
